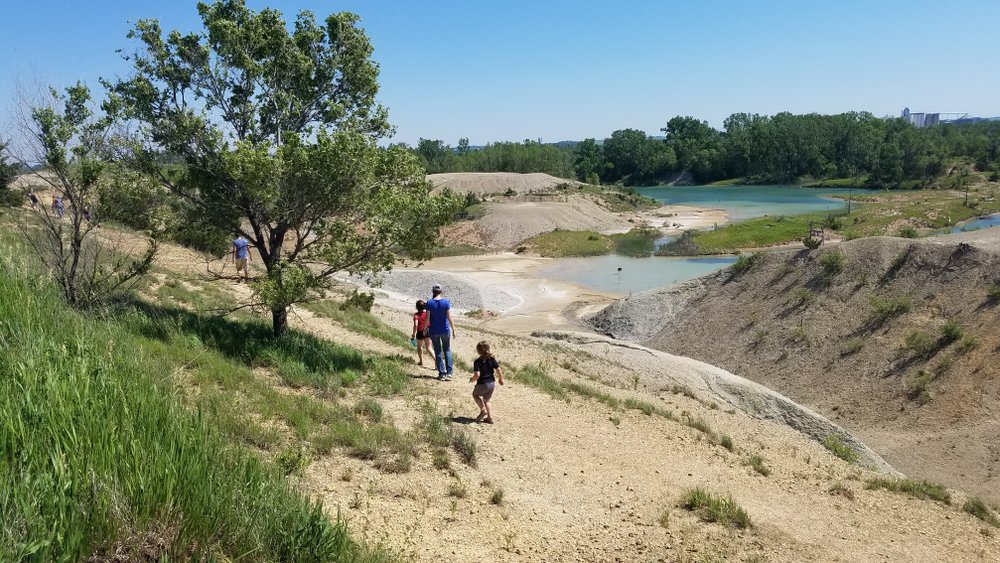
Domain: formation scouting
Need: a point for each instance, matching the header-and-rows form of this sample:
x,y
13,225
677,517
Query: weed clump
x,y
744,262
757,463
916,489
497,497
837,447
978,508
713,508
851,346
840,489
833,263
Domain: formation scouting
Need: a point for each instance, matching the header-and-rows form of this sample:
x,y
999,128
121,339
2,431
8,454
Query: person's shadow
x,y
463,420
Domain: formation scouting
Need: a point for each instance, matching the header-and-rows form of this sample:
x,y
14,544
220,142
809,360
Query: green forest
x,y
783,148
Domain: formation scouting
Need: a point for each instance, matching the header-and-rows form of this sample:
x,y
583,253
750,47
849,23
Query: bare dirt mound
x,y
496,182
507,223
892,338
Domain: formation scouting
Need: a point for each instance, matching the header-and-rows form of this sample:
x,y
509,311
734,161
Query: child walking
x,y
486,371
419,336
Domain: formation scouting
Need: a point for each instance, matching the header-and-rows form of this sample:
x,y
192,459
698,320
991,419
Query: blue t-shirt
x,y
242,247
438,310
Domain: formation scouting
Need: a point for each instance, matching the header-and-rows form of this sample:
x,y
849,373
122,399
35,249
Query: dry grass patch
x,y
714,508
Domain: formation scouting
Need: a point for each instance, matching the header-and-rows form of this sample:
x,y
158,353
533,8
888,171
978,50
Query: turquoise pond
x,y
976,224
747,202
636,274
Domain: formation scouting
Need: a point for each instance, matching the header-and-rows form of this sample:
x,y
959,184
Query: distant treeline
x,y
882,152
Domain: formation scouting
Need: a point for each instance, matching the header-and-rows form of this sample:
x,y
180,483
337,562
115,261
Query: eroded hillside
x,y
894,339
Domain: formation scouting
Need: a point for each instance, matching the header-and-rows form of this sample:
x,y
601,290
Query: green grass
x,y
978,508
755,233
456,250
837,447
559,244
916,489
744,262
638,242
714,508
359,321
100,456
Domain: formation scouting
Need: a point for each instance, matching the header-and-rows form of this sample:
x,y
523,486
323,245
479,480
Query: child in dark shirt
x,y
487,372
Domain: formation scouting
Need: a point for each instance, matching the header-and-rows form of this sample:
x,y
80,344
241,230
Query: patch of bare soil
x,y
896,341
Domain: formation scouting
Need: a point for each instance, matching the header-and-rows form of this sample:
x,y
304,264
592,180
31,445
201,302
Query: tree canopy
x,y
275,132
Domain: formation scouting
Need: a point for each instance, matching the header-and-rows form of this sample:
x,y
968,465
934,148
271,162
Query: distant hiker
x,y
86,214
419,336
58,206
241,257
486,373
34,200
441,329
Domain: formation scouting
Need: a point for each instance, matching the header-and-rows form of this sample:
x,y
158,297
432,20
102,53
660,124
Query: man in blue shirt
x,y
241,257
440,329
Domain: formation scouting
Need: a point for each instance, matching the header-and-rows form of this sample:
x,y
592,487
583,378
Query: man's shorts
x,y
241,264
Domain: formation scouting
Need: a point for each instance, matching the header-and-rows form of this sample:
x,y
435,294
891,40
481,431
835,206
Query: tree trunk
x,y
279,321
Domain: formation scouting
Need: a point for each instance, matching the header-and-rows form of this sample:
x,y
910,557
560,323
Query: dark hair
x,y
421,305
483,349
436,292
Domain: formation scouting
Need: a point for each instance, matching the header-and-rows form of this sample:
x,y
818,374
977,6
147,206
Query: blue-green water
x,y
637,274
747,202
976,224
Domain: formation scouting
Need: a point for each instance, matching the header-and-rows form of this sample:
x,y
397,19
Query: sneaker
x,y
441,377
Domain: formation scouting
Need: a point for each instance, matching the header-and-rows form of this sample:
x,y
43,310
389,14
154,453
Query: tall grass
x,y
97,458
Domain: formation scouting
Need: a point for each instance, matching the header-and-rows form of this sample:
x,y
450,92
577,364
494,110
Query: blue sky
x,y
564,69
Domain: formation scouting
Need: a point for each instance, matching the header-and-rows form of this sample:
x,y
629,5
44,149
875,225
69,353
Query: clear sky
x,y
569,69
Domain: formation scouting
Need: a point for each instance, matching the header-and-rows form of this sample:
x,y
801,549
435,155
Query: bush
x,y
833,264
11,198
726,442
757,463
837,447
890,307
812,243
920,343
497,497
908,232
359,301
967,344
712,508
951,332
851,346
744,262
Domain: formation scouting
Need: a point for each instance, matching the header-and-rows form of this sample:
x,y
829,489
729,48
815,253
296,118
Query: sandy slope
x,y
496,182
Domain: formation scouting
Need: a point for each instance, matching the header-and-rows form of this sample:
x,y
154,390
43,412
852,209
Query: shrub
x,y
918,388
812,243
802,296
916,489
369,408
457,489
967,344
359,301
744,262
833,264
993,292
712,508
497,497
757,463
889,307
920,343
726,442
837,447
908,232
951,332
978,508
841,490
439,458
851,346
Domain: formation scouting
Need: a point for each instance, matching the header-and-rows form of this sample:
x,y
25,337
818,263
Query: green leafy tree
x,y
8,171
463,146
589,164
70,141
275,131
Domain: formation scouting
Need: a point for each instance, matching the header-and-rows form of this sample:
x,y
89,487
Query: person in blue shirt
x,y
441,329
241,257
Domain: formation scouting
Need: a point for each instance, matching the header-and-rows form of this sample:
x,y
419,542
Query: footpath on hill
x,y
592,461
